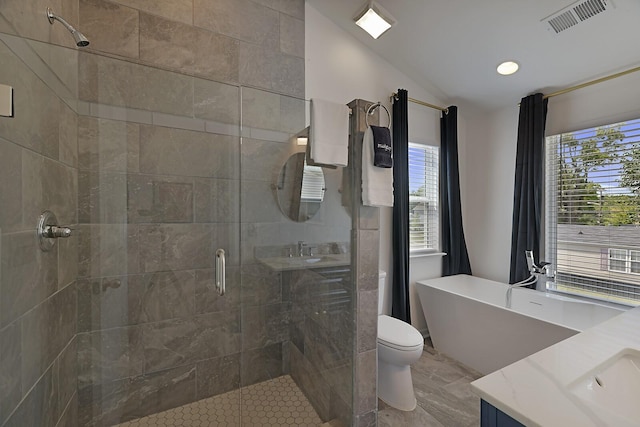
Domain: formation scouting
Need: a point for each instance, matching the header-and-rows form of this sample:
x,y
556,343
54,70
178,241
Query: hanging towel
x,y
377,183
329,135
382,156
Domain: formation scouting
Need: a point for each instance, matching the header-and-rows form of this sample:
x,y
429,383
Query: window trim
x,y
425,254
631,261
625,260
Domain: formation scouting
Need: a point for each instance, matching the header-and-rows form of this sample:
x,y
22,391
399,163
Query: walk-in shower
x,y
81,40
158,150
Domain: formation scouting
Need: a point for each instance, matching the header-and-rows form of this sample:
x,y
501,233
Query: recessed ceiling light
x,y
508,67
374,19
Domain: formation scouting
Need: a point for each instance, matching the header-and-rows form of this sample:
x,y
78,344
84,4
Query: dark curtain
x,y
456,260
529,185
400,301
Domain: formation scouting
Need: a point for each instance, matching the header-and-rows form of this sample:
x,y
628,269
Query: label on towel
x,y
382,151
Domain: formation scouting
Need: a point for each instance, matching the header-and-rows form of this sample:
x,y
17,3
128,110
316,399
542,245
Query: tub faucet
x,y
543,272
535,272
300,247
543,268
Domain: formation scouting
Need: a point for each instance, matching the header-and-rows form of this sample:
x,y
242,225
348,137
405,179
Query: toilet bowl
x,y
399,346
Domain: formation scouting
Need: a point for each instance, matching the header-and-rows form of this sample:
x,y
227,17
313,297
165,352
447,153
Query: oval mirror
x,y
300,188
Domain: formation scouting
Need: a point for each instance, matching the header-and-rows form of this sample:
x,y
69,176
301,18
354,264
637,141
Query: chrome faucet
x,y
300,247
543,269
543,273
535,271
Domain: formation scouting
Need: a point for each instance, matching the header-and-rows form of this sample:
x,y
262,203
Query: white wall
x,y
489,160
339,68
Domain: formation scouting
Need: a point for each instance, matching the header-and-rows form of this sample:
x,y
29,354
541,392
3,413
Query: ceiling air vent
x,y
575,13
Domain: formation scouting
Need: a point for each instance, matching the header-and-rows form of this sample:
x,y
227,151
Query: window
x,y
634,262
423,198
593,211
617,260
626,261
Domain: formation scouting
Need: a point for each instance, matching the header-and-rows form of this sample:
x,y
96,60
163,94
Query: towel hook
x,y
371,110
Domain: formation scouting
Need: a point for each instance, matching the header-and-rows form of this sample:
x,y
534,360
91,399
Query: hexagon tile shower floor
x,y
277,402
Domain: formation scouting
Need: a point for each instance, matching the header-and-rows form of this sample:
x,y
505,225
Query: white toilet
x,y
399,346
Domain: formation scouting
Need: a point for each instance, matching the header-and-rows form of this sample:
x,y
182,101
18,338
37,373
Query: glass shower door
x,y
158,195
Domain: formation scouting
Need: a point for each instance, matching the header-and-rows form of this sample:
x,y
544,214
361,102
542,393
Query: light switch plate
x,y
6,101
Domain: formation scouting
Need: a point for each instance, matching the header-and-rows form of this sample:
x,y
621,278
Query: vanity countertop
x,y
554,387
305,262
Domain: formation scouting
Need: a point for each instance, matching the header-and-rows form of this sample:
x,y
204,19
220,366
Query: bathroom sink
x,y
304,262
308,260
614,385
313,260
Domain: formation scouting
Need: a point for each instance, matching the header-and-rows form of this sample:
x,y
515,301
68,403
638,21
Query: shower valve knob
x,y
53,231
48,230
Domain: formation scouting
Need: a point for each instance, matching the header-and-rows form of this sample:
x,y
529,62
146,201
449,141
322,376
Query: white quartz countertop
x,y
537,390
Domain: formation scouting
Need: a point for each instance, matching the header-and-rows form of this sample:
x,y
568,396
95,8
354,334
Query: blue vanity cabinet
x,y
490,416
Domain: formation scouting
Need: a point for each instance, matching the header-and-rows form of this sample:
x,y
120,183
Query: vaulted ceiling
x,y
452,47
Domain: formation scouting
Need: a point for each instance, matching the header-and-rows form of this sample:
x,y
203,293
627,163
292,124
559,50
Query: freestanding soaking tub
x,y
468,320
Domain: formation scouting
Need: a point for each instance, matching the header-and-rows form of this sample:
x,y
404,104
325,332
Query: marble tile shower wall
x,y
38,170
159,192
258,43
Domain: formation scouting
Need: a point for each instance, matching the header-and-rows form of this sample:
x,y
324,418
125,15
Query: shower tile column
x,y
365,243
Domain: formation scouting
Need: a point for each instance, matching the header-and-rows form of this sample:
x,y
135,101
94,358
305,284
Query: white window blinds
x,y
593,211
424,225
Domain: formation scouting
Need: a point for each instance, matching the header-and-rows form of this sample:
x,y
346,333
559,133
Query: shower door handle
x,y
220,271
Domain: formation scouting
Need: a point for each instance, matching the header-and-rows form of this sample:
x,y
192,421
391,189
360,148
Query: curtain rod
x,y
592,82
394,95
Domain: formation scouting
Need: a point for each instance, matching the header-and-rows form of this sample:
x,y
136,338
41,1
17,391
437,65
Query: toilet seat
x,y
396,334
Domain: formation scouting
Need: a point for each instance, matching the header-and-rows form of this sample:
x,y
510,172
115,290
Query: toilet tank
x,y
382,276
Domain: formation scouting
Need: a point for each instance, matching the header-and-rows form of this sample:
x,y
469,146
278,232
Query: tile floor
x,y
277,402
442,388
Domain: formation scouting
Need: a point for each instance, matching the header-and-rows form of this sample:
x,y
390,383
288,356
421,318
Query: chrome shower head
x,y
81,40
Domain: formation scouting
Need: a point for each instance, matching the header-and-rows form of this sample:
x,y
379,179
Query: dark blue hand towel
x,y
382,151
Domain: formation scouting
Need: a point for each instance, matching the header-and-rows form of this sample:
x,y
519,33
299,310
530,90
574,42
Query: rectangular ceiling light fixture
x,y
374,19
